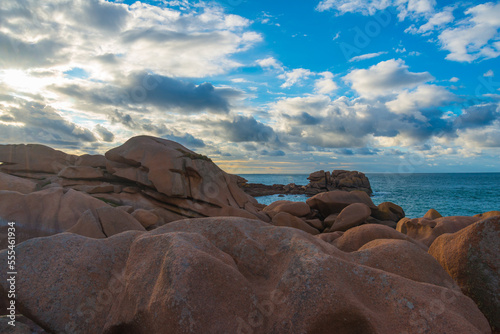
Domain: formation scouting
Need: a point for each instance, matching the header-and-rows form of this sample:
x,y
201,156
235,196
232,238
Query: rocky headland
x,y
319,181
154,238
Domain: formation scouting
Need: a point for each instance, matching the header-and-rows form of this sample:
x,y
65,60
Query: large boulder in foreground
x,y
180,176
229,275
471,257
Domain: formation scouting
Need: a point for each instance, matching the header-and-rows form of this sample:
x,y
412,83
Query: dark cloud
x,y
250,147
123,118
478,116
165,92
187,140
107,59
103,15
42,124
105,134
142,90
274,153
345,151
15,53
243,129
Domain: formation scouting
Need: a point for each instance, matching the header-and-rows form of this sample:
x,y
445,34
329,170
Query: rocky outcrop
x,y
319,181
234,275
322,181
298,209
46,191
427,230
471,257
332,211
335,201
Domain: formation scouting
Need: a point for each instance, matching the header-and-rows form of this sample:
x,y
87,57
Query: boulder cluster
x,y
154,238
319,181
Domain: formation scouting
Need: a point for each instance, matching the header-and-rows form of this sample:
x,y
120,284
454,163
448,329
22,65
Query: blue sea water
x,y
451,194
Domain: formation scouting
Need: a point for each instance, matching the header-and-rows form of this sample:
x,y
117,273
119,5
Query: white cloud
x,y
470,39
412,8
385,78
489,73
337,35
294,77
197,42
325,85
367,56
270,62
454,79
438,20
415,8
346,6
412,103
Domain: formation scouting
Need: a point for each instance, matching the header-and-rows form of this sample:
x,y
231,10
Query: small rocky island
x,y
319,181
154,238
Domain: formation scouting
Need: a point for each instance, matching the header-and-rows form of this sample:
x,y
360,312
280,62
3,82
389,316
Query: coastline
x,y
150,215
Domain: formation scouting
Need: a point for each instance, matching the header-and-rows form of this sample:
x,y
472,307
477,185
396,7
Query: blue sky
x,y
260,86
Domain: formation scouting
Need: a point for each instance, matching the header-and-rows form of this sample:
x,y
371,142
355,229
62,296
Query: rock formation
x,y
235,275
46,191
468,248
471,257
319,181
152,238
322,181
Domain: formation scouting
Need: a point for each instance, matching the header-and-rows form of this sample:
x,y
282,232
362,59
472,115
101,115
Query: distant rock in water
x,y
319,182
322,181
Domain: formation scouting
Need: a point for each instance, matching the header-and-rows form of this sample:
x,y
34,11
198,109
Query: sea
x,y
451,194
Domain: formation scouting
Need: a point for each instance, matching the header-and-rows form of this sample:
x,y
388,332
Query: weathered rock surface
x,y
427,230
257,278
322,181
406,259
14,183
356,237
298,209
335,201
352,215
488,214
287,220
46,191
44,212
471,257
432,214
28,160
388,211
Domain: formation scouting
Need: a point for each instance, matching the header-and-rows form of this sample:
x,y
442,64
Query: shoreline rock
x,y
319,182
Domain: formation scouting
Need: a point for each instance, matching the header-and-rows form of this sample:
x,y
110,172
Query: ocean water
x,y
451,194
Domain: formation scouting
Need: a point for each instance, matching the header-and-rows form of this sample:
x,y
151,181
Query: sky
x,y
404,86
